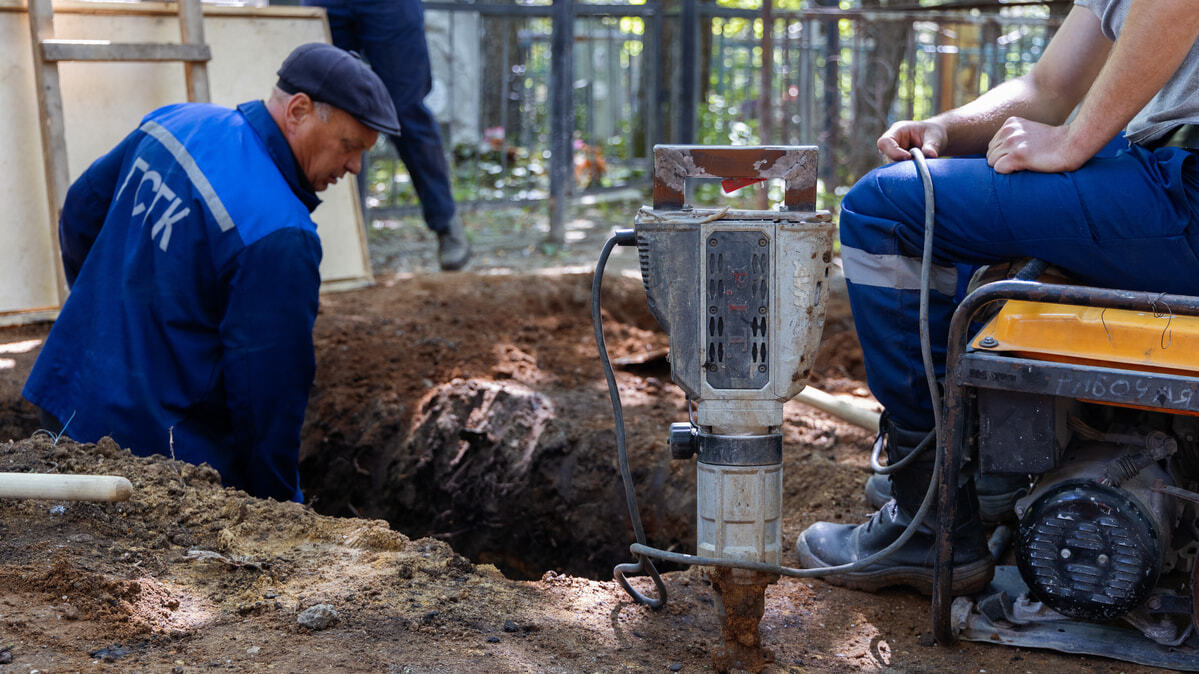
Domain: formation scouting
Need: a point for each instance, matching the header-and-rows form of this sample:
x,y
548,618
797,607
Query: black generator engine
x,y
1094,537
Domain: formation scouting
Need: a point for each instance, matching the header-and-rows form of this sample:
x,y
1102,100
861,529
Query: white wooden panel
x,y
27,276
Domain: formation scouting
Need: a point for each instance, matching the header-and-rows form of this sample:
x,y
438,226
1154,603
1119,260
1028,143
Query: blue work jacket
x,y
193,266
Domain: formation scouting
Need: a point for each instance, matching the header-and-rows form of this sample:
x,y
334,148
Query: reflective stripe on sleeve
x,y
184,158
894,271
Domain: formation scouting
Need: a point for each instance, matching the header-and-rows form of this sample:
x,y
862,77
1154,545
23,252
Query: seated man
x,y
193,266
1123,219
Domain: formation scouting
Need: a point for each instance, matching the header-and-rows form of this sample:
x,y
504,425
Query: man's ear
x,y
297,109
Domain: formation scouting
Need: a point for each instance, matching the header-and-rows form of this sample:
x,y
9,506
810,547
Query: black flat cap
x,y
341,79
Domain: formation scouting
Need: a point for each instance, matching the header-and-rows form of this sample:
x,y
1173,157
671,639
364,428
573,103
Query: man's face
x,y
327,150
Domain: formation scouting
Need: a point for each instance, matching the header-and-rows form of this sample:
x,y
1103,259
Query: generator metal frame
x,y
968,370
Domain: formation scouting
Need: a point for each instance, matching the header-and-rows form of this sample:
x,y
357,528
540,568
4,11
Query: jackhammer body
x,y
741,295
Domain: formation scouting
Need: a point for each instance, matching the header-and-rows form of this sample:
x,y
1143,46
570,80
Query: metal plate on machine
x,y
738,311
1016,432
1089,383
971,623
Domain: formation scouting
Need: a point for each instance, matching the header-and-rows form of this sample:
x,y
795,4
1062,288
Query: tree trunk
x,y
886,42
660,54
503,78
830,134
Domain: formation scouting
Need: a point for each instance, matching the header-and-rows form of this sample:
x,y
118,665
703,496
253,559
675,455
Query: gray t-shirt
x,y
1177,102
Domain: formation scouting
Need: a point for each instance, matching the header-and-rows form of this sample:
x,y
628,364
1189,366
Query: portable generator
x,y
1093,394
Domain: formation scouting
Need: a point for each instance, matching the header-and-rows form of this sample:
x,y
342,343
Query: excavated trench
x,y
505,476
498,438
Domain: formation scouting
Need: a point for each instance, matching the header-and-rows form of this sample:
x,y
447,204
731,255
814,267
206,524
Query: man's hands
x,y
1019,145
1025,145
929,136
997,122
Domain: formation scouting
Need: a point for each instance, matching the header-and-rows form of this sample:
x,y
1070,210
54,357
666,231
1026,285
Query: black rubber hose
x,y
643,564
926,351
1032,270
926,266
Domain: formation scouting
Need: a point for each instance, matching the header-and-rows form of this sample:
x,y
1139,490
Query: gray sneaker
x,y
453,250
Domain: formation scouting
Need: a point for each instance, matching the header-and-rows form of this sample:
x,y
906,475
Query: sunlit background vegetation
x,y
836,81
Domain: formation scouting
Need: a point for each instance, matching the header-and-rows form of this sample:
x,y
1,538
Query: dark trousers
x,y
391,35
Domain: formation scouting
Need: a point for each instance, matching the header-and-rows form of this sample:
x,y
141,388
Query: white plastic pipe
x,y
854,414
65,487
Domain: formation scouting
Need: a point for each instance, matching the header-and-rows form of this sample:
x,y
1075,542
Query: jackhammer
x,y
742,296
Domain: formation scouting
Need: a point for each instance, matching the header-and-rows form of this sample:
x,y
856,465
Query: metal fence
x,y
499,120
544,102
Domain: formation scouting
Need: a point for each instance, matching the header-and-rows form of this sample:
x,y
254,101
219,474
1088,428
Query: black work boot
x,y
828,544
997,495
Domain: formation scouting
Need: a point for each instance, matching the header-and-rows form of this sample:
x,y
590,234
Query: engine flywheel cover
x,y
1088,551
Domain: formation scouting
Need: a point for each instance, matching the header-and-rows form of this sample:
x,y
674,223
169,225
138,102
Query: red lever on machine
x,y
731,185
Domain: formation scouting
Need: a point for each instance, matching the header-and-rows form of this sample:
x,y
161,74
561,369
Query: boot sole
x,y
456,264
970,578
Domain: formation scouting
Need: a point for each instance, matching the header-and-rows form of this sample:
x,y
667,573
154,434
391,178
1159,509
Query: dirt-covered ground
x,y
470,411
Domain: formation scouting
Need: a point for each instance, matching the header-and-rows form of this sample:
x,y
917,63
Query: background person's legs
x,y
343,27
420,149
391,35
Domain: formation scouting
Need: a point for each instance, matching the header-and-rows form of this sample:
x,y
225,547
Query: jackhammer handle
x,y
795,165
65,487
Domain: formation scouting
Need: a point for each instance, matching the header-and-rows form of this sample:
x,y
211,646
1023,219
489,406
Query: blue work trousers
x,y
391,35
1127,219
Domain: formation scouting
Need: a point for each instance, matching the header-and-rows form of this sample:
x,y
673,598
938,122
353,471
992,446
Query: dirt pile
x,y
188,574
187,561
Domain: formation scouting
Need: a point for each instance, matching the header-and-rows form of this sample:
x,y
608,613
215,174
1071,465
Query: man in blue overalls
x,y
1114,211
193,266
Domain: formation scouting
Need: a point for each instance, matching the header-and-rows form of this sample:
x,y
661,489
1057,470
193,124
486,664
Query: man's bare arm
x,y
1047,94
1153,42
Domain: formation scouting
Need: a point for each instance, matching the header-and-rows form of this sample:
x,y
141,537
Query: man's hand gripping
x,y
930,137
